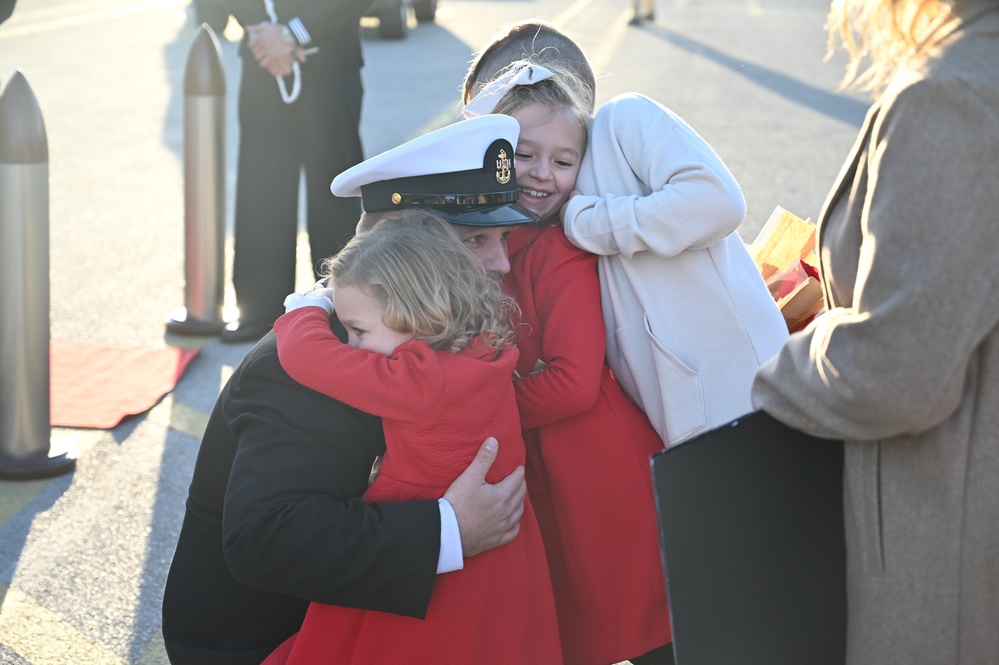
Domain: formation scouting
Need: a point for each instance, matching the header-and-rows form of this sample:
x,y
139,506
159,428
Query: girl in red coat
x,y
588,444
430,350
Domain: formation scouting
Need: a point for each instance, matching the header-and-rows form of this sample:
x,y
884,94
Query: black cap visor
x,y
511,214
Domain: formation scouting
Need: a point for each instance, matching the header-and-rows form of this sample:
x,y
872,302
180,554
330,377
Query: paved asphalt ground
x,y
83,557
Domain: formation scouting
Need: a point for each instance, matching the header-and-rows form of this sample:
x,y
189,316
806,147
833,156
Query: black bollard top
x,y
22,130
204,75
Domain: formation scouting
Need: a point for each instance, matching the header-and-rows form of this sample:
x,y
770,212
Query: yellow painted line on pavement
x,y
42,638
600,57
600,54
39,635
179,416
188,420
155,652
567,14
27,24
15,494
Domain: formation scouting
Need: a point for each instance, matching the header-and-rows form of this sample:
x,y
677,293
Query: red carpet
x,y
97,386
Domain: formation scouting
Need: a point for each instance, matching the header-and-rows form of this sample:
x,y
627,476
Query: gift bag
x,y
784,253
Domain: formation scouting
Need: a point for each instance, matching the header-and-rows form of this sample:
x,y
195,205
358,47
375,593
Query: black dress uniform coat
x,y
275,520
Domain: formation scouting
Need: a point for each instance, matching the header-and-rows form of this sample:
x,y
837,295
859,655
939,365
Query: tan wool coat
x,y
905,364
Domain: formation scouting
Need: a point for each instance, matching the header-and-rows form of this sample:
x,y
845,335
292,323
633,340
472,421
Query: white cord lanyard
x,y
296,70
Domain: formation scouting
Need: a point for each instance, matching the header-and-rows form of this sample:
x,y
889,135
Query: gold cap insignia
x,y
397,198
504,168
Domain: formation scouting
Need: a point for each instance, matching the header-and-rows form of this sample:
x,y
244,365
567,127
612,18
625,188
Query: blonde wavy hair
x,y
429,284
881,35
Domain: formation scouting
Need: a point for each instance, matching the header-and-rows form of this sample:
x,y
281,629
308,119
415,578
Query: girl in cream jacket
x,y
688,317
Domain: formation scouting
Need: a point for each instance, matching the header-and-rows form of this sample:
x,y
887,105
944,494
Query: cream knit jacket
x,y
688,317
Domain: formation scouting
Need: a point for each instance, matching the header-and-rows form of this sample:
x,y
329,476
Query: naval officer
x,y
274,517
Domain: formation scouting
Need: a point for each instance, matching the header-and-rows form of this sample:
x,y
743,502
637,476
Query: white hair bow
x,y
523,72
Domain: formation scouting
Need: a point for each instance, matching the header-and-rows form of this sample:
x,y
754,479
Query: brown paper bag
x,y
784,239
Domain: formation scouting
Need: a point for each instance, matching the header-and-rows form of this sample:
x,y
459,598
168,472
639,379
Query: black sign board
x,y
751,528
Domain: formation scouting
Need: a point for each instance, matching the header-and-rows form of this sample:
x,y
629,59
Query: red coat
x,y
437,408
588,448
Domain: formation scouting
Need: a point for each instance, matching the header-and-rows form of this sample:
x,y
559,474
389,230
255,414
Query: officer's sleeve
x,y
318,19
294,522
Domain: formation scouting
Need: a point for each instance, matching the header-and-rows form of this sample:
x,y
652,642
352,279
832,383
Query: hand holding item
x,y
784,253
784,239
798,293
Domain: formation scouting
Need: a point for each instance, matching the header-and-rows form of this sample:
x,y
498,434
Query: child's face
x,y
362,316
547,158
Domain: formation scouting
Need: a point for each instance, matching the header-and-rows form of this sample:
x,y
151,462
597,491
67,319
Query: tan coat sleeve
x,y
917,295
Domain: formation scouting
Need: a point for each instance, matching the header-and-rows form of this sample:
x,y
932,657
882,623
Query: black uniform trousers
x,y
318,133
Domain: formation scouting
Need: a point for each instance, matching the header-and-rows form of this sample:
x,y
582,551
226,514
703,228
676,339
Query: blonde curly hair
x,y
429,284
883,35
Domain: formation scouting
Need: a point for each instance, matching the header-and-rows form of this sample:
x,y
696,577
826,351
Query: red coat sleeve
x,y
403,386
566,298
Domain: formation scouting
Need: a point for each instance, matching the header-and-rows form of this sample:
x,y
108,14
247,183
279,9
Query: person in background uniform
x,y
275,517
213,12
904,365
299,111
645,11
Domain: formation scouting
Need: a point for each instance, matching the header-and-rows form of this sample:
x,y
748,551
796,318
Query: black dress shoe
x,y
239,333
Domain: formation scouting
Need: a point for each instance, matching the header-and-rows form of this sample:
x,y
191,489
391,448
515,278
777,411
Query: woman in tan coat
x,y
904,365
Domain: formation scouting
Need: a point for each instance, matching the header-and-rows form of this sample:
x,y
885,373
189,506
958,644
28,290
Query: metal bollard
x,y
25,429
204,190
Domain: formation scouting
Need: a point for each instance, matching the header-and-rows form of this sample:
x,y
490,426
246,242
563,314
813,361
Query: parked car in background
x,y
393,15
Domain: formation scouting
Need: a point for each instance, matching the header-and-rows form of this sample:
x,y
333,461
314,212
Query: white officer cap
x,y
462,172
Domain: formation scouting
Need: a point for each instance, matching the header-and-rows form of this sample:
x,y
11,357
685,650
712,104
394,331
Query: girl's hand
x,y
322,289
561,212
319,296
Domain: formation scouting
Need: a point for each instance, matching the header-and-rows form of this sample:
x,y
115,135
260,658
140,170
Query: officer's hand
x,y
488,515
270,48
